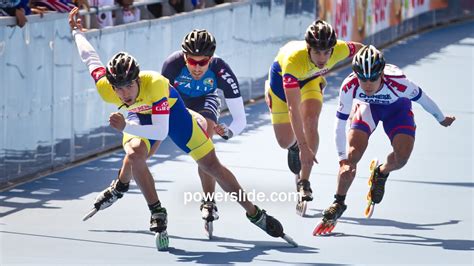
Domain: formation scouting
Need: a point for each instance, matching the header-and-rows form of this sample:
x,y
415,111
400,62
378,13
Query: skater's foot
x,y
110,195
209,211
159,219
377,188
334,211
304,188
267,223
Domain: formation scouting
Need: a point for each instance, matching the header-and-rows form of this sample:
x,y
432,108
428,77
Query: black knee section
x,y
154,206
274,227
294,162
339,199
121,187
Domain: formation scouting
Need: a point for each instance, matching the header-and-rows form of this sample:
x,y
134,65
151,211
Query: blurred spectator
x,y
16,8
157,9
128,13
102,19
178,5
197,4
81,4
63,6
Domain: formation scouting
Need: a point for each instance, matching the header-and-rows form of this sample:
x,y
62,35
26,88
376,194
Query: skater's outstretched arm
x,y
431,107
340,137
87,53
228,83
293,99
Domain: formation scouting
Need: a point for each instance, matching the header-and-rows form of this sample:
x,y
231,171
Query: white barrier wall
x,y
50,113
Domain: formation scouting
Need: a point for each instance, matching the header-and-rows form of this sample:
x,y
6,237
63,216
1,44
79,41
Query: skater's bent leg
x,y
211,165
284,135
208,182
136,155
153,149
210,127
402,147
358,141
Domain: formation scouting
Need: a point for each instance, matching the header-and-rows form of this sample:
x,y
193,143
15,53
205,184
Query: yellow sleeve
x,y
341,51
158,87
291,65
106,91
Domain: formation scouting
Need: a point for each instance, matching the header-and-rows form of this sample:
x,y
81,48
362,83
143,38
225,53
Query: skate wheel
x,y
290,240
301,208
373,164
162,241
369,210
317,229
327,229
208,227
323,228
90,214
331,227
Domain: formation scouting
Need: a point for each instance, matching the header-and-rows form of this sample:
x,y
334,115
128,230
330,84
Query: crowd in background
x,y
126,13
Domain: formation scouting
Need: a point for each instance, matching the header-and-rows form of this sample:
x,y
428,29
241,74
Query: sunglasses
x,y
372,78
193,62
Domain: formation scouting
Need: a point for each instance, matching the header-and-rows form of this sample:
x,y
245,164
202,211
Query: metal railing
x,y
11,21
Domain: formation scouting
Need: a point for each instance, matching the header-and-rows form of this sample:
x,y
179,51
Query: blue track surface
x,y
426,216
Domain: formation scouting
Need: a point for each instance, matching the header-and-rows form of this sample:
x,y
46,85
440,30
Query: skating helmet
x,y
368,63
199,43
320,35
122,69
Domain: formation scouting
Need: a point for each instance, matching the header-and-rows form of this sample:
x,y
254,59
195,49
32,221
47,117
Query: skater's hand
x,y
344,166
344,162
223,131
84,4
307,156
448,121
73,22
117,121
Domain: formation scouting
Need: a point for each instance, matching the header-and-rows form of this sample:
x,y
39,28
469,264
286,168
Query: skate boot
x,y
270,225
209,214
304,188
377,187
159,224
294,162
107,197
329,221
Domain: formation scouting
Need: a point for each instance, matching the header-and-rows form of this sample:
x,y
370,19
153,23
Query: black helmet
x,y
199,43
122,69
320,35
368,63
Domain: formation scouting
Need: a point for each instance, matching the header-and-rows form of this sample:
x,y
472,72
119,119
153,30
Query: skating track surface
x,y
426,216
